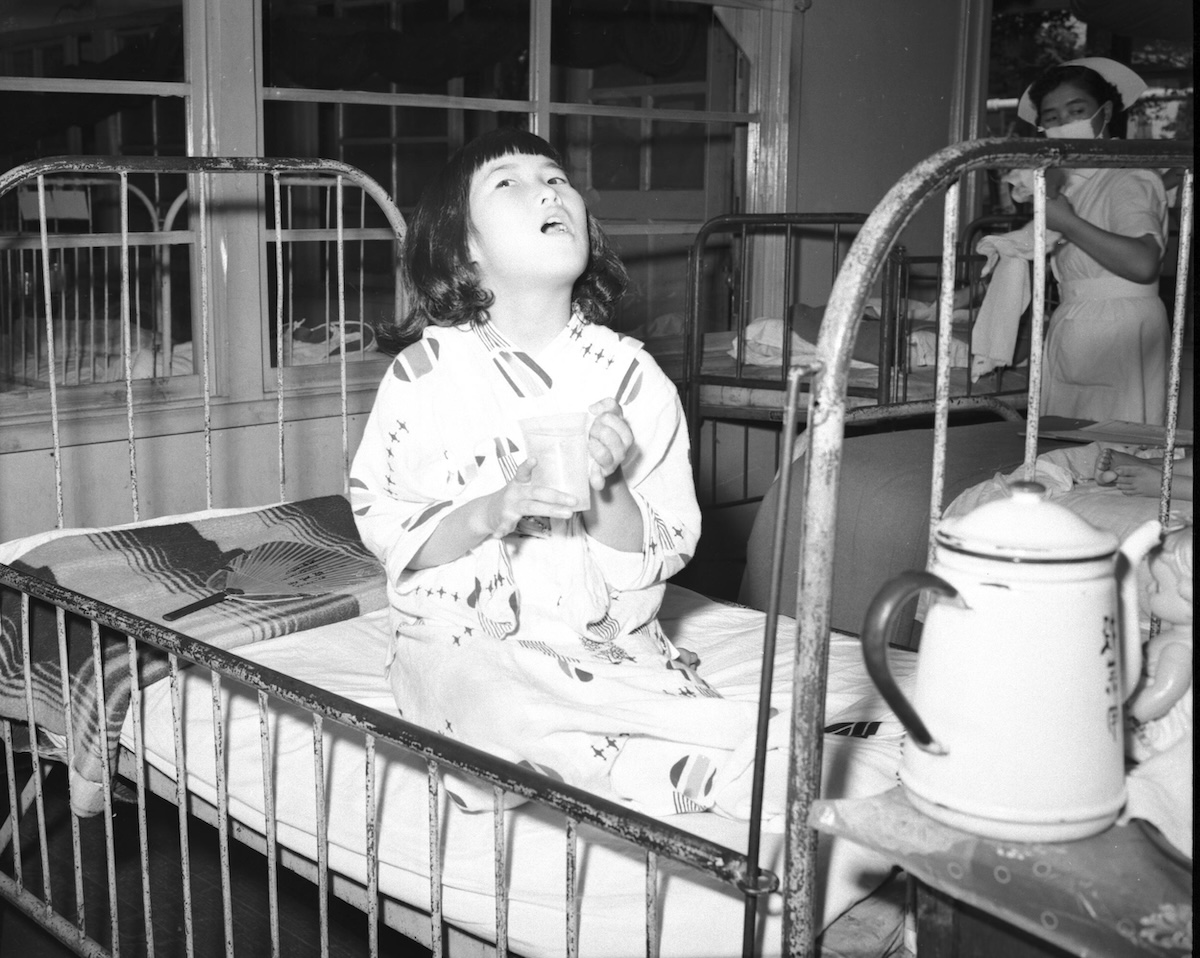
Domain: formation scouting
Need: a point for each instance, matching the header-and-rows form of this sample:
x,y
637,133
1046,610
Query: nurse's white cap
x,y
1128,84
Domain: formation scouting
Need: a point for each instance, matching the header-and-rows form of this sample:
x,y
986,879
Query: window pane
x,y
400,147
314,313
602,45
677,161
617,153
44,39
326,285
90,124
418,46
655,303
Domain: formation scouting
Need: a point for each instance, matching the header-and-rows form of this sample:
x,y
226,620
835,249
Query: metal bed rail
x,y
740,293
654,837
937,176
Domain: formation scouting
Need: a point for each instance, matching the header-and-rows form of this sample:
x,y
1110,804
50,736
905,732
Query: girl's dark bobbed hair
x,y
441,281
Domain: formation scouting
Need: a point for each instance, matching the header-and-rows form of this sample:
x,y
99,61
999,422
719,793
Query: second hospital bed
x,y
757,292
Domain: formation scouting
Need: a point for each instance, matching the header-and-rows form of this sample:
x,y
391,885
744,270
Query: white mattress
x,y
699,917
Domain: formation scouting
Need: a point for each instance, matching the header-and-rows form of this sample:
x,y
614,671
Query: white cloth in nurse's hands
x,y
994,335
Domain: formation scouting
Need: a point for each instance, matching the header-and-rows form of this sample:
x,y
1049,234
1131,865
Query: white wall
x,y
874,94
171,474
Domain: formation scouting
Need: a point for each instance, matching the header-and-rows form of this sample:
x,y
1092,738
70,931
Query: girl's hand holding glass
x,y
520,497
609,441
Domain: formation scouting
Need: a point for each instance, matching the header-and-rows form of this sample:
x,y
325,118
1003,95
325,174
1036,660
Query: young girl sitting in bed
x,y
524,619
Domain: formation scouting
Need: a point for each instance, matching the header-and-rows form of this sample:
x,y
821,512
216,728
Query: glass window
x,y
91,79
93,41
646,100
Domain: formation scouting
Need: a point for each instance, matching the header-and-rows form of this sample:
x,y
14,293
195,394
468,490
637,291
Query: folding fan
x,y
282,570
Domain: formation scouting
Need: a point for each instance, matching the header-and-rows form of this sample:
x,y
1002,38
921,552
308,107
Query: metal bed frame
x,y
656,838
765,262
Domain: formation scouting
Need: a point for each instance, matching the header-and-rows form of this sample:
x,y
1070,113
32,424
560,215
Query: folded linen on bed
x,y
153,570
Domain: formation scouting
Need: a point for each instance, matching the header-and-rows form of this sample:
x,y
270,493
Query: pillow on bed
x,y
308,343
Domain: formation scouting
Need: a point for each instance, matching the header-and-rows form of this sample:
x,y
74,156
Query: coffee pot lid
x,y
1025,525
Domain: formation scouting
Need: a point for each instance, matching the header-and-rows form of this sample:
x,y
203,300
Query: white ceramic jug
x,y
1030,647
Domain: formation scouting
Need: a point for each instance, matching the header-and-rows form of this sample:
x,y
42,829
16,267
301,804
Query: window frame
x,y
224,95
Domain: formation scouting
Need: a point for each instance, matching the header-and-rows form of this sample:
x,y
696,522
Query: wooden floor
x,y
299,910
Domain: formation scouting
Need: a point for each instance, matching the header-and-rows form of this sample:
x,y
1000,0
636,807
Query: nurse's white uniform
x,y
1106,349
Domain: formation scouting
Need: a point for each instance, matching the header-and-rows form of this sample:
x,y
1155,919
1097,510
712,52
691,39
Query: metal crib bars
x,y
757,242
286,174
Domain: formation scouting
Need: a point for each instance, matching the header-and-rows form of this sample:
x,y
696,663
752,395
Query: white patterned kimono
x,y
544,647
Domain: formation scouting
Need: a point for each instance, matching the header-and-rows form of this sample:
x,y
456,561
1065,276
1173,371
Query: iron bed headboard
x,y
766,267
828,416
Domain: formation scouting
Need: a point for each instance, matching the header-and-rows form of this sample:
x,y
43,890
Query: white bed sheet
x,y
699,917
93,353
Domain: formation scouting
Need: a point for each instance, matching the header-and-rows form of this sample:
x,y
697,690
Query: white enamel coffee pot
x,y
1030,647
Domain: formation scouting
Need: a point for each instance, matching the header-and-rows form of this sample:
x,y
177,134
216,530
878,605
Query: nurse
x,y
1106,347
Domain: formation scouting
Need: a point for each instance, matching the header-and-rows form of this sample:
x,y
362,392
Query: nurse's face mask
x,y
1081,129
1063,113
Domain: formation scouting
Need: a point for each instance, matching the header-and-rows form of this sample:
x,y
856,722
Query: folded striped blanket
x,y
262,574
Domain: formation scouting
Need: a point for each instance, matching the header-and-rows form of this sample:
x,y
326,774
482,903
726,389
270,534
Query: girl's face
x,y
1069,103
528,224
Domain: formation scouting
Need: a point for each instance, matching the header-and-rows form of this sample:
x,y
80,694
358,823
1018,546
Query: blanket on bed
x,y
267,572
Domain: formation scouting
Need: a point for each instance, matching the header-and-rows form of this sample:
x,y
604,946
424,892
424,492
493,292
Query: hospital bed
x,y
757,293
269,717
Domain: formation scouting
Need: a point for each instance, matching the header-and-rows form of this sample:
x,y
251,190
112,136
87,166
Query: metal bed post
x,y
807,698
1186,214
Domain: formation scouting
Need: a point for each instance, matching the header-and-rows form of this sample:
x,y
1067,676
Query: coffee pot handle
x,y
879,628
